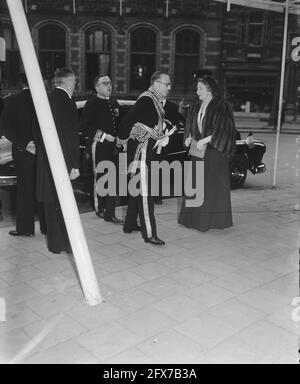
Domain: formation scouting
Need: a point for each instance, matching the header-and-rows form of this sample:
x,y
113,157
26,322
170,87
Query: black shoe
x,y
137,228
15,233
100,215
158,201
113,220
57,252
154,240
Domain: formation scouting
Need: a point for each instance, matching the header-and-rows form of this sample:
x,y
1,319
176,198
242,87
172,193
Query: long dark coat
x,y
67,124
17,126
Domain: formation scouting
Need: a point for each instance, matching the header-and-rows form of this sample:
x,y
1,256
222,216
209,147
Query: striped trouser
x,y
142,205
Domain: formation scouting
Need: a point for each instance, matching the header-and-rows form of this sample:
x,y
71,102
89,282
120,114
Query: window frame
x,y
12,53
187,86
245,26
143,53
88,86
42,52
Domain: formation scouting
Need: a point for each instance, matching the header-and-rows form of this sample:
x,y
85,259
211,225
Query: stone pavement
x,y
215,297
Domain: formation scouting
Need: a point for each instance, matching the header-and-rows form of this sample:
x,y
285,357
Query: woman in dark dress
x,y
210,129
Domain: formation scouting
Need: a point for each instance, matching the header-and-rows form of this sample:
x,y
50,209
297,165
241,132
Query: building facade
x,y
130,39
252,42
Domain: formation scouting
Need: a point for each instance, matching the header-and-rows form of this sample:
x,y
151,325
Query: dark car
x,y
248,157
7,167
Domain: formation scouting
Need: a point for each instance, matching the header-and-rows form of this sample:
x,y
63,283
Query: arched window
x,y
187,52
98,54
143,58
52,49
13,64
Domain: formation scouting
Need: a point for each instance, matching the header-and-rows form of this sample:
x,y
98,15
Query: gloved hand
x,y
74,174
31,148
200,144
188,141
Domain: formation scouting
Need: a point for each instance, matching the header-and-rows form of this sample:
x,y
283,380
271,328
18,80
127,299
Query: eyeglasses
x,y
165,84
106,83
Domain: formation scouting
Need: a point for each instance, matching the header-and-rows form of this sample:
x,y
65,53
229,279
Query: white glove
x,y
109,138
74,174
172,131
188,141
250,140
31,148
162,142
200,144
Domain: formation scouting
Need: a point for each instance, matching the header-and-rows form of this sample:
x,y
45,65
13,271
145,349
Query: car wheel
x,y
238,171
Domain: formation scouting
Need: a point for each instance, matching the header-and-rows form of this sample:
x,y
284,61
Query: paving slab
x,y
220,296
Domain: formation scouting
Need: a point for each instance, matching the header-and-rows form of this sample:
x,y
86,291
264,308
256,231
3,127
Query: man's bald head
x,y
65,78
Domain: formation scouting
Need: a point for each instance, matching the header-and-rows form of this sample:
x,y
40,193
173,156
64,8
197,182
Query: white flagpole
x,y
167,8
55,156
282,78
228,5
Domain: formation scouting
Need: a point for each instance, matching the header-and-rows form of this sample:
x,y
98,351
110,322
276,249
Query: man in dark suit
x,y
99,121
66,120
17,126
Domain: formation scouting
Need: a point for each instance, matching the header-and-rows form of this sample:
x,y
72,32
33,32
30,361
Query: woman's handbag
x,y
194,151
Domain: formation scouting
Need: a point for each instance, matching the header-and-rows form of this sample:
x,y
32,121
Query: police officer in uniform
x,y
99,122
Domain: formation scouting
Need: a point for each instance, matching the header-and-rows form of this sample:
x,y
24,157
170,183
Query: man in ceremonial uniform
x,y
99,122
17,126
141,130
67,125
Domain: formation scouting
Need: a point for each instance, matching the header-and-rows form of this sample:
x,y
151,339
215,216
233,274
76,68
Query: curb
x,y
267,130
